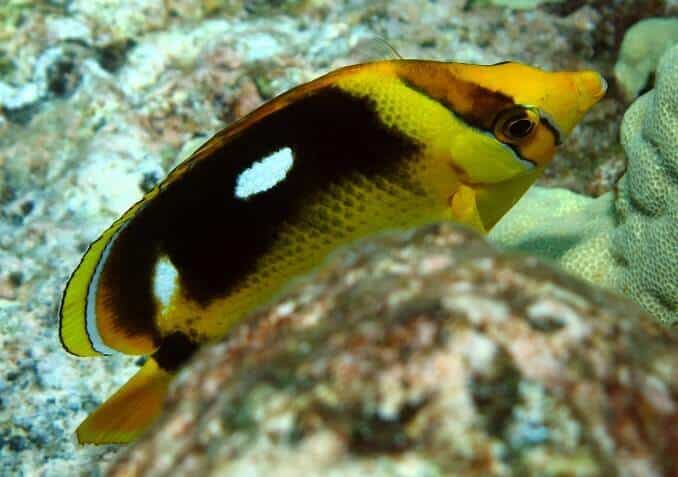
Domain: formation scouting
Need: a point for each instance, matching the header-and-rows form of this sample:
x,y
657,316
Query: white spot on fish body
x,y
164,281
265,174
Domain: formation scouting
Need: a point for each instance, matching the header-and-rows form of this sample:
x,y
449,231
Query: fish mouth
x,y
603,82
591,87
572,100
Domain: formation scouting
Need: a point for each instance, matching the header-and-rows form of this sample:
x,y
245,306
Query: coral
x,y
625,241
555,224
426,354
643,45
646,241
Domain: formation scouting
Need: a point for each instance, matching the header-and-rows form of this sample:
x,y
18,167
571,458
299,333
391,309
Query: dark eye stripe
x,y
546,121
486,103
487,106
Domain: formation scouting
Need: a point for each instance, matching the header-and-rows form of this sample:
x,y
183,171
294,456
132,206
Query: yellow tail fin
x,y
130,411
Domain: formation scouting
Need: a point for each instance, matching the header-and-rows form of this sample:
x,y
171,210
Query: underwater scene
x,y
338,238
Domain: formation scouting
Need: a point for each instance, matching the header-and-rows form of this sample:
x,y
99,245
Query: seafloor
x,y
100,98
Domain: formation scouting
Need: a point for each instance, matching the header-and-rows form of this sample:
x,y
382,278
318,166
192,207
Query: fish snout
x,y
573,94
591,87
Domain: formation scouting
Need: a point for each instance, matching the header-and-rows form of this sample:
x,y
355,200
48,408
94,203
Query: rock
x,y
426,353
67,29
516,4
117,20
615,18
625,241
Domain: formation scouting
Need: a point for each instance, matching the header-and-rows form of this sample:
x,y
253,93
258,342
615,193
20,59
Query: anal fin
x,y
130,411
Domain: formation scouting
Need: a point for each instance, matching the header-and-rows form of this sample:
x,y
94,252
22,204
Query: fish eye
x,y
519,128
515,124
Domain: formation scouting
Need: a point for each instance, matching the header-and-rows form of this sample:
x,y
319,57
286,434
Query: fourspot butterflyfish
x,y
369,147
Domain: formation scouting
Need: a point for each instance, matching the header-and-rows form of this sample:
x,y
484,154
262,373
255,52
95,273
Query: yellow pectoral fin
x,y
495,200
130,411
465,209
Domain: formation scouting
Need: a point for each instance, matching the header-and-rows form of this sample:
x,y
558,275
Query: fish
x,y
382,145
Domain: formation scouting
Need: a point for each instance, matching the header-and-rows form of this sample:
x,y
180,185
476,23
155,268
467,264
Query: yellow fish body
x,y
362,149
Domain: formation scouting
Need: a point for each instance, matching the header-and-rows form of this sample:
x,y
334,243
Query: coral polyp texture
x,y
625,240
645,243
640,51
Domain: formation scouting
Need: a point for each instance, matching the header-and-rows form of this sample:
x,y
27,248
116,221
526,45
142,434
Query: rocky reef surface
x,y
100,98
426,354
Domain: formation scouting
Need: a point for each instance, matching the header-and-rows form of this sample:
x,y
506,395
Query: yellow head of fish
x,y
496,126
547,105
